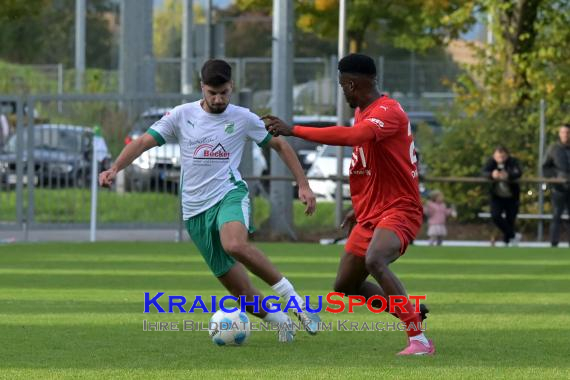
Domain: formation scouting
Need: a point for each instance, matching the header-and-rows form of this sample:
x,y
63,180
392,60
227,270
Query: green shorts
x,y
204,228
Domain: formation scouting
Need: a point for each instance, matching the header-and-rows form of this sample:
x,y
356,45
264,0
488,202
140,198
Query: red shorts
x,y
405,224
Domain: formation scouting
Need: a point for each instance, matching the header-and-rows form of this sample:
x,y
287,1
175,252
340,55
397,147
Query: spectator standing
x,y
557,165
504,170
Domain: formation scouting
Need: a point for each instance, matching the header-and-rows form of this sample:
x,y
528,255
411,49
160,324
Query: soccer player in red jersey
x,y
387,210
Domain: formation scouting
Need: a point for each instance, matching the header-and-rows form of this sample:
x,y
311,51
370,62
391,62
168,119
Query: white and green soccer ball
x,y
229,328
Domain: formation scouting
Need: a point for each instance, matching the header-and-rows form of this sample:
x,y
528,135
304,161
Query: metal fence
x,y
418,85
46,162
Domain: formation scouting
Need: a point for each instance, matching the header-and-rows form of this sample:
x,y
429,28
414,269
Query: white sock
x,y
420,338
277,317
285,290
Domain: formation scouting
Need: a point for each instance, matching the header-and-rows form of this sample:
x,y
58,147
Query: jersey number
x,y
413,157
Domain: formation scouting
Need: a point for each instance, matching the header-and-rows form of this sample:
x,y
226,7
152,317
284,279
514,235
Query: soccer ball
x,y
229,328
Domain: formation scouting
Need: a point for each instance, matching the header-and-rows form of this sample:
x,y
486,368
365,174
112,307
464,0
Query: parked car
x,y
159,167
307,150
324,166
156,168
62,156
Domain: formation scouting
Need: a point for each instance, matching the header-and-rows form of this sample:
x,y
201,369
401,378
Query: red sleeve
x,y
346,136
385,122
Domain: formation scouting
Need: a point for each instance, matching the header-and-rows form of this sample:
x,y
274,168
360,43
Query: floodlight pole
x,y
187,64
340,117
281,194
79,44
208,32
136,61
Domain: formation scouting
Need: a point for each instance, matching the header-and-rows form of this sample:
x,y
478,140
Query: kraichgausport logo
x,y
334,303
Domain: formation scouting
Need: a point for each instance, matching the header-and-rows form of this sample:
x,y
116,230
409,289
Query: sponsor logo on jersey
x,y
201,141
354,160
379,123
211,152
358,157
367,172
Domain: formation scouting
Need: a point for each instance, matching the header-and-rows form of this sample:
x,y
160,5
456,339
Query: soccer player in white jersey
x,y
215,202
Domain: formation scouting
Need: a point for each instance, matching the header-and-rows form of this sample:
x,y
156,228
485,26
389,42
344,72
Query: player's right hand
x,y
349,220
107,177
276,126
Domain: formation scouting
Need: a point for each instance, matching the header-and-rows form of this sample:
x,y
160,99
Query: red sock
x,y
411,319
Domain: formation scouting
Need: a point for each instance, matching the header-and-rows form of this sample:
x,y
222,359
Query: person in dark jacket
x,y
557,165
504,169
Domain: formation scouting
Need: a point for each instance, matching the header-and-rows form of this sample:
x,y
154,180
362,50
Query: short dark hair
x,y
565,125
357,64
216,72
502,149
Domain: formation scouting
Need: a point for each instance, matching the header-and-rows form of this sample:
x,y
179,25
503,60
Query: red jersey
x,y
383,171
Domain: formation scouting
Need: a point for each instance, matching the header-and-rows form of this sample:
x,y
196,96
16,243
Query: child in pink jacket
x,y
437,212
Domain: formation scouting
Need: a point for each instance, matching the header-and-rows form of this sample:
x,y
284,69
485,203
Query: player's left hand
x,y
349,221
276,126
308,198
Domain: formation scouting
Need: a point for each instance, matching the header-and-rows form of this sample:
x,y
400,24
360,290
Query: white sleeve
x,y
256,130
164,130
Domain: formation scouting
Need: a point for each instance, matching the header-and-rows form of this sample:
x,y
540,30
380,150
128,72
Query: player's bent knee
x,y
375,264
236,248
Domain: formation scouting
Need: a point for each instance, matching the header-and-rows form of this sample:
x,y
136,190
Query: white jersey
x,y
211,147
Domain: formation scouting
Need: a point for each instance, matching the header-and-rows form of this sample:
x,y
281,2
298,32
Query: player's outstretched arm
x,y
129,153
333,135
290,159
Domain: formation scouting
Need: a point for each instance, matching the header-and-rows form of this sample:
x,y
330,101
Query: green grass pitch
x,y
76,311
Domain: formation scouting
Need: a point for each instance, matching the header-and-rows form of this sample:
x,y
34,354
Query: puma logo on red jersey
x,y
379,123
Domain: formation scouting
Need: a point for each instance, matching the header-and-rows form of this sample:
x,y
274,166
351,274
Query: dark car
x,y
62,156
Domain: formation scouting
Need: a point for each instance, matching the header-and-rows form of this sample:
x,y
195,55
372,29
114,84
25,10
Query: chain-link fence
x,y
418,85
46,162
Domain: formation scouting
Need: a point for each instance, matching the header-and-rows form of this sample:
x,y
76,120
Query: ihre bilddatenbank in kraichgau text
x,y
334,304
